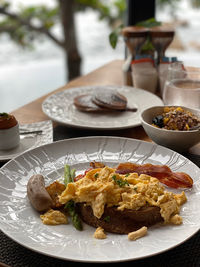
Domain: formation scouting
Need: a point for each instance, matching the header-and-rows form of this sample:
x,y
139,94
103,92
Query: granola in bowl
x,y
176,118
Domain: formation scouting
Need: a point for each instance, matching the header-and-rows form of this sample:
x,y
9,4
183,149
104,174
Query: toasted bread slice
x,y
121,222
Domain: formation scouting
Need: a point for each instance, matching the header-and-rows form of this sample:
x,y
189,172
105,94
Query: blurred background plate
x,y
31,140
59,107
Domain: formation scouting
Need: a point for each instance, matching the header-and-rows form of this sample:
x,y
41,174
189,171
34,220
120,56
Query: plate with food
x,y
100,199
16,139
99,107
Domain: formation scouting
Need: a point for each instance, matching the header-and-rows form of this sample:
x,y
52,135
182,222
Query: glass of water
x,y
182,87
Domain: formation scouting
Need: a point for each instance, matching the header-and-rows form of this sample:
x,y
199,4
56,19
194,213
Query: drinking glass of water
x,y
182,87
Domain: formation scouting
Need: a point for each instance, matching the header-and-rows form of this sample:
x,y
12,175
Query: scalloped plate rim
x,y
83,88
87,260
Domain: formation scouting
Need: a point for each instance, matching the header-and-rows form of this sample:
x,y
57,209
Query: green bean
x,y
70,206
67,175
73,174
77,222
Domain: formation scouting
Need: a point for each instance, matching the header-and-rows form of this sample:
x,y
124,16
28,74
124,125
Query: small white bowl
x,y
9,138
179,141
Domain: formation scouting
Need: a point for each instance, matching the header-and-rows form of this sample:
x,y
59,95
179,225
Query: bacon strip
x,y
80,176
162,172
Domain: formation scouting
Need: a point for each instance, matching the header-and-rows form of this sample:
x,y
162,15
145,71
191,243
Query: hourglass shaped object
x,y
161,38
134,37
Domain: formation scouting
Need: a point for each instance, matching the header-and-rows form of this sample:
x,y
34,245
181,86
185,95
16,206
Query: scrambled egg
x,y
99,233
137,234
54,217
100,187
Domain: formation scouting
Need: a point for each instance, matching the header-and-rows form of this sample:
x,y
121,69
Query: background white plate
x,y
20,222
59,107
31,140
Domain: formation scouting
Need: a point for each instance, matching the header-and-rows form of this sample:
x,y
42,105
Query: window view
x,y
34,62
186,44
99,132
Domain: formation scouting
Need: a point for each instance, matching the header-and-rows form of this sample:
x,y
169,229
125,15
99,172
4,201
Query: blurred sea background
x,y
28,74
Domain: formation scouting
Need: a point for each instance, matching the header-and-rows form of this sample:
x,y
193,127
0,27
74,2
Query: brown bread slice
x,y
121,222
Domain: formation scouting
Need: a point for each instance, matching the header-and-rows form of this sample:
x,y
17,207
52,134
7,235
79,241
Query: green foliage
x,y
170,3
121,5
149,23
19,25
16,32
114,35
4,4
104,8
20,31
44,18
195,3
147,46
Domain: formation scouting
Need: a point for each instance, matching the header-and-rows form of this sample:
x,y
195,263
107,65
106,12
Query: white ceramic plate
x,y
30,141
59,107
21,222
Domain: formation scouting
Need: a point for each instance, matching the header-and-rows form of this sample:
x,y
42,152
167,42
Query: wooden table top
x,y
109,74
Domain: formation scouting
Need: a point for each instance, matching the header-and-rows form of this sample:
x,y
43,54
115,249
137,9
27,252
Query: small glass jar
x,y
182,87
144,74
